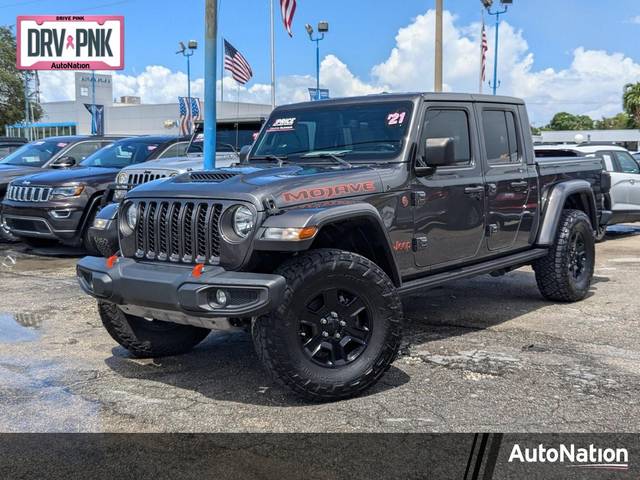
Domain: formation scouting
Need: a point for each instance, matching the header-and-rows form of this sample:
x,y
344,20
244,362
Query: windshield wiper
x,y
280,160
333,156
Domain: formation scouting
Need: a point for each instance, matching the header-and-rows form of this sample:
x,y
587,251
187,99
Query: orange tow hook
x,y
197,270
111,261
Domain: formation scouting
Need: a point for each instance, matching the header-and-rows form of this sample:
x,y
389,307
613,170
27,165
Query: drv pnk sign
x,y
70,42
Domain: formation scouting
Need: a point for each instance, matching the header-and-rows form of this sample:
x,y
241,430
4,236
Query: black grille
x,y
179,231
211,176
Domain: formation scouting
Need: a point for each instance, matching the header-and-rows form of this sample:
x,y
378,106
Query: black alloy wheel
x,y
336,327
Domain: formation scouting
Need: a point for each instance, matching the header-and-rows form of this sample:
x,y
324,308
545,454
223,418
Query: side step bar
x,y
516,260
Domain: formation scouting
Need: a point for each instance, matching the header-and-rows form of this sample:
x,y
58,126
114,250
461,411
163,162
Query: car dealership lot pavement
x,y
486,354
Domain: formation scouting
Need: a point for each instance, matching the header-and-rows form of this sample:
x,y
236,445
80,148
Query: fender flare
x,y
94,202
322,217
556,200
109,211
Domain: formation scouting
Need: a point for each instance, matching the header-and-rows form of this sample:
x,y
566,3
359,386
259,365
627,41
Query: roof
x,y
429,96
153,138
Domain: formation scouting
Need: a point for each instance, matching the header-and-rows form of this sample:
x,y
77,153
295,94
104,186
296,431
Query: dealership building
x,y
123,116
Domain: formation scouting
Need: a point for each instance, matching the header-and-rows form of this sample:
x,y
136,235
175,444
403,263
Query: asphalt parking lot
x,y
486,354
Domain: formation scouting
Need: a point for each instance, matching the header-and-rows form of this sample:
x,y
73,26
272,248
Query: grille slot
x,y
28,194
179,231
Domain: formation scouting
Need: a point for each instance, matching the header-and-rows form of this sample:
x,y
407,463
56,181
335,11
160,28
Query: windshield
x,y
123,153
34,154
365,132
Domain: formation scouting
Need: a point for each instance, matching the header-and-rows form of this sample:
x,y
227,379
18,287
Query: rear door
x,y
511,182
449,209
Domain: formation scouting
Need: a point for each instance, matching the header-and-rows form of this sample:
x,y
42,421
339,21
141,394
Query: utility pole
x,y
438,56
210,67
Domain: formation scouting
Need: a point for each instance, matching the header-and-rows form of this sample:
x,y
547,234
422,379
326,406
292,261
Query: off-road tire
x,y
600,235
276,336
149,339
105,247
553,272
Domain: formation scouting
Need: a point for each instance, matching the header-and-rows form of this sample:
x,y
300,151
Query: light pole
x,y
323,27
505,6
188,51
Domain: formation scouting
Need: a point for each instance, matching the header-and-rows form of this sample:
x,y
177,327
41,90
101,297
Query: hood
x,y
9,172
171,165
286,186
78,175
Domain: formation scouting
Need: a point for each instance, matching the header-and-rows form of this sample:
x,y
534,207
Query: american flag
x,y
484,48
236,64
189,115
288,8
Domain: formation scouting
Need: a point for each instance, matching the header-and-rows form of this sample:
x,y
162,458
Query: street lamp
x,y
323,27
188,51
505,6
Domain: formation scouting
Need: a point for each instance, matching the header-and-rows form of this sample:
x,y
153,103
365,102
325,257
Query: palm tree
x,y
631,101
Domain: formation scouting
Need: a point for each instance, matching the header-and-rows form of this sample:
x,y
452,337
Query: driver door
x,y
449,204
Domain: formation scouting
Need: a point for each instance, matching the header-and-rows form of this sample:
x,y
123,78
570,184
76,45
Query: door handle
x,y
632,182
520,185
474,190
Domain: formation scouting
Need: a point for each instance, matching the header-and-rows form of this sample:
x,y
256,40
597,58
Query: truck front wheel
x,y
337,330
149,338
566,272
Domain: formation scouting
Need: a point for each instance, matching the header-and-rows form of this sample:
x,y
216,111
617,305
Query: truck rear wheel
x,y
146,338
337,330
566,272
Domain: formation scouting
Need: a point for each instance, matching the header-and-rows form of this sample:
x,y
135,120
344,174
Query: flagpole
x,y
273,58
481,50
222,69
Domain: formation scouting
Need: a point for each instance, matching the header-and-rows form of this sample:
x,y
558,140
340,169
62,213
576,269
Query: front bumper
x,y
59,222
174,293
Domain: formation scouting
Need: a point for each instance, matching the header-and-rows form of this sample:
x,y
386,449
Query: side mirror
x,y
65,162
244,153
439,152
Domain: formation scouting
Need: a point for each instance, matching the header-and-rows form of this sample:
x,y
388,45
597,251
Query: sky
x,y
572,55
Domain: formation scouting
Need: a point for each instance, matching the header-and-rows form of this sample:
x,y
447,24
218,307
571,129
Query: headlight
x,y
243,221
131,216
122,178
66,192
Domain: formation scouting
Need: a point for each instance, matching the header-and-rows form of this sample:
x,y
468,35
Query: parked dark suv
x,y
47,153
58,206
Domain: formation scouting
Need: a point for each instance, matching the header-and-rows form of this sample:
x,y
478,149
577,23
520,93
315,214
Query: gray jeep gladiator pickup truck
x,y
340,209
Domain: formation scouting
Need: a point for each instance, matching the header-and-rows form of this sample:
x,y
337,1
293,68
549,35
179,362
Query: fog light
x,y
221,298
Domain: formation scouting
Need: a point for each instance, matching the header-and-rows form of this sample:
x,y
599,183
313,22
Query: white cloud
x,y
590,84
635,19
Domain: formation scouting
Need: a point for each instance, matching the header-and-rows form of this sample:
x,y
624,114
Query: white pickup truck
x,y
623,199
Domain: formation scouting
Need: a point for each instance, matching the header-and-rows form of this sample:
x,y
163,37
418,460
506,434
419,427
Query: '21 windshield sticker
x,y
283,124
396,119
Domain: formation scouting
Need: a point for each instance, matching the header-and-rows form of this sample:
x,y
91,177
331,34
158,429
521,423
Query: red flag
x,y
288,8
485,48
